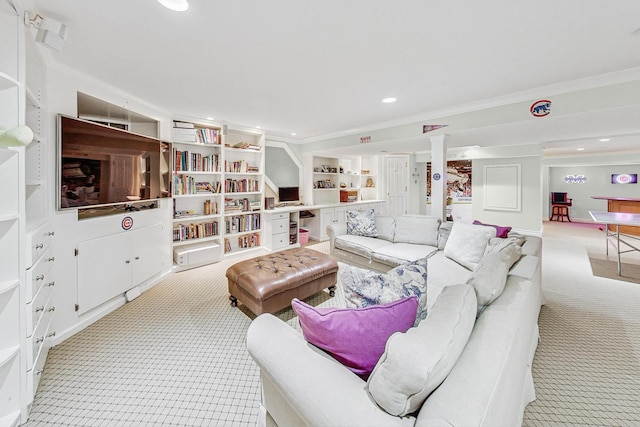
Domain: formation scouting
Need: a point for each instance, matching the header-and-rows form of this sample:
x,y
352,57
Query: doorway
x,y
397,184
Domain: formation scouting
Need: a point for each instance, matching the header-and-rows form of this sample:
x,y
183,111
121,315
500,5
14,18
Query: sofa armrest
x,y
334,230
318,389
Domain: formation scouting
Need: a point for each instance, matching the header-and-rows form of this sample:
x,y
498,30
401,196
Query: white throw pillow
x,y
467,242
416,362
417,229
490,277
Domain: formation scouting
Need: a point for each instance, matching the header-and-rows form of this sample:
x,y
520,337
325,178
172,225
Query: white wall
x,y
62,88
526,220
598,183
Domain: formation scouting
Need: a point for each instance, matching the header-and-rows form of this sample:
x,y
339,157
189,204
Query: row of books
x,y
246,241
241,205
241,166
240,223
183,232
185,184
187,132
187,161
241,185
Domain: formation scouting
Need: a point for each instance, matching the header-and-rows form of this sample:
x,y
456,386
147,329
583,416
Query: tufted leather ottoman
x,y
268,283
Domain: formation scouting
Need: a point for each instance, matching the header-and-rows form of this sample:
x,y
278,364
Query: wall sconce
x,y
51,33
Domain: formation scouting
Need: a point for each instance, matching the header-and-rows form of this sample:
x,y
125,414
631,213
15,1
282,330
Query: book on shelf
x,y
183,137
246,146
183,131
183,125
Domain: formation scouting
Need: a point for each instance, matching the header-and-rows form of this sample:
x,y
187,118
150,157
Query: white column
x,y
439,176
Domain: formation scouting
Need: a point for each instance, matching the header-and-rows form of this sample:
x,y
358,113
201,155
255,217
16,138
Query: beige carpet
x,y
176,355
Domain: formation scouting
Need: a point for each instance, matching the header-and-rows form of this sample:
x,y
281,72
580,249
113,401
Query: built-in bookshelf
x,y
217,186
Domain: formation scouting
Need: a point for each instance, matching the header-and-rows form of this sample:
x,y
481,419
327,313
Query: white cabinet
x,y
331,215
281,230
111,265
12,223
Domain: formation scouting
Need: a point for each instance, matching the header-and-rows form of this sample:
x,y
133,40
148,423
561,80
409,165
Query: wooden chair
x,y
560,207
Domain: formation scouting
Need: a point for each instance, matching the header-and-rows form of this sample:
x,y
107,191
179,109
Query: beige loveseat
x,y
489,384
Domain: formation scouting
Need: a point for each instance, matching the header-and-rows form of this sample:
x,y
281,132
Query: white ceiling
x,y
321,69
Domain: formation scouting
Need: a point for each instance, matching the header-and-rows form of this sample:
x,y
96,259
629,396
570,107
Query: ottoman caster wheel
x,y
234,301
332,291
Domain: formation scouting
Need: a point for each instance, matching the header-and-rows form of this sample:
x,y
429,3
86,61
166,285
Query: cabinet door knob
x,y
137,258
127,261
39,245
51,233
39,340
51,309
41,308
51,259
51,284
52,334
39,371
40,277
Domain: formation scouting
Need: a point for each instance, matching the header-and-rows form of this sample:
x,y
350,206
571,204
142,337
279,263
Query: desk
x,y
622,204
618,219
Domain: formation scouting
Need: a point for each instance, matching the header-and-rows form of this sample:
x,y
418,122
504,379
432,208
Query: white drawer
x,y
280,240
40,304
280,225
35,372
276,216
38,242
38,340
39,274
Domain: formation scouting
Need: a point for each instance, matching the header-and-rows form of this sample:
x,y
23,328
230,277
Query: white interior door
x,y
397,184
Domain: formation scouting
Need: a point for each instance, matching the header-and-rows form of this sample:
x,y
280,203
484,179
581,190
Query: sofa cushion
x,y
361,223
443,234
386,226
501,231
364,288
416,362
489,278
355,337
401,253
467,242
363,246
417,229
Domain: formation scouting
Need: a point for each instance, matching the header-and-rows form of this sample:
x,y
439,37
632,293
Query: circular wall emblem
x,y
127,223
436,176
540,108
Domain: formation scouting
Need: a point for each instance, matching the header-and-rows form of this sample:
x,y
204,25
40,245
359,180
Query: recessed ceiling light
x,y
258,127
176,5
580,149
209,118
389,100
605,139
293,134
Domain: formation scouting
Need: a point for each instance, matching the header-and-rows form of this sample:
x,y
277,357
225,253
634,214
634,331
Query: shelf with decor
x,y
325,179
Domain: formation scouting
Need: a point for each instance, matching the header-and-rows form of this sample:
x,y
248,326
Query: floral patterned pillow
x,y
364,288
361,223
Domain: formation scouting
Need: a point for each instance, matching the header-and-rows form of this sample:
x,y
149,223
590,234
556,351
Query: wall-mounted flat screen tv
x,y
289,194
624,178
100,165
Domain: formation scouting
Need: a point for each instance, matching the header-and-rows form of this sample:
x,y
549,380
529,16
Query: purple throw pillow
x,y
502,232
356,337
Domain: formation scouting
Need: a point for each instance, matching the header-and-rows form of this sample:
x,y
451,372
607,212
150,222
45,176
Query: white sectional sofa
x,y
490,383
